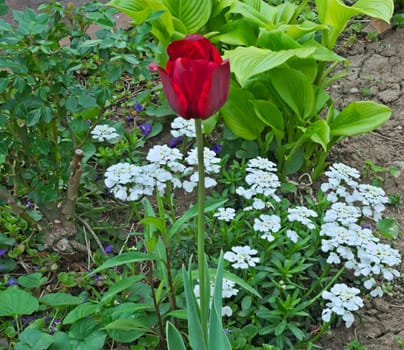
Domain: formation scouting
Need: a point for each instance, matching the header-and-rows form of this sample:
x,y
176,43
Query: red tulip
x,y
196,79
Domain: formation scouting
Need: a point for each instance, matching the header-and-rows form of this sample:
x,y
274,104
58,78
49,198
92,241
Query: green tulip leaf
x,y
217,337
196,337
239,116
295,89
17,302
174,339
359,118
249,61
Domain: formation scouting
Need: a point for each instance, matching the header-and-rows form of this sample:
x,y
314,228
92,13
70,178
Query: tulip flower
x,y
196,79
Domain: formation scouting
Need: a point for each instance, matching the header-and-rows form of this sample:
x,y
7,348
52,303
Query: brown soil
x,y
376,73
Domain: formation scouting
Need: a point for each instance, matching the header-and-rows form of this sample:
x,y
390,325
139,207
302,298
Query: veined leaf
x,y
143,10
270,115
336,14
249,61
239,115
192,13
358,118
295,89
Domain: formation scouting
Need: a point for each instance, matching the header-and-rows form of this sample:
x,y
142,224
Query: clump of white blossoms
x,y
211,163
225,214
345,240
267,224
343,300
228,291
183,127
105,133
302,215
130,182
262,182
166,166
242,257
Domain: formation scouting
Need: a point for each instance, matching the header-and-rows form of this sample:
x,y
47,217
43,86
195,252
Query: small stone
x,y
354,90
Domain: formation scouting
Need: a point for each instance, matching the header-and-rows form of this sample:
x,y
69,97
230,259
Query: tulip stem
x,y
204,298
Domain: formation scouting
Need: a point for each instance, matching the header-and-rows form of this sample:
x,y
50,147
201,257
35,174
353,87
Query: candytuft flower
x,y
196,79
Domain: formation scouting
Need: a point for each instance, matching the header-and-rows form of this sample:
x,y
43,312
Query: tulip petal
x,y
193,76
215,91
175,96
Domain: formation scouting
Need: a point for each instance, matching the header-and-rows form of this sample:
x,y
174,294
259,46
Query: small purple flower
x,y
145,129
138,107
2,252
11,282
217,148
175,141
89,122
129,119
108,249
29,205
97,278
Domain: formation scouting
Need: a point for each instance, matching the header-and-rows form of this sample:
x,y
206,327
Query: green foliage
x,y
283,60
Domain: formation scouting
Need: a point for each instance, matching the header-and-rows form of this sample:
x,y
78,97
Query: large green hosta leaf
x,y
359,118
192,13
249,61
141,10
336,14
239,115
170,19
295,90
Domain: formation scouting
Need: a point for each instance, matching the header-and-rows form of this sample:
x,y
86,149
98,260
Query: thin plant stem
x,y
157,307
201,230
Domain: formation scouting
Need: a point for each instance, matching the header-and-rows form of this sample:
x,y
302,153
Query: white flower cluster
x,y
130,182
211,163
342,183
228,291
263,182
345,240
343,300
225,214
104,132
242,257
183,127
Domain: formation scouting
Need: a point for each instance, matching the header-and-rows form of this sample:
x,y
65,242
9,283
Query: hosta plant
x,y
282,64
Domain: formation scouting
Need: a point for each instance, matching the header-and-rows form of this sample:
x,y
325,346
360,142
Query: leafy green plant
x,y
281,67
